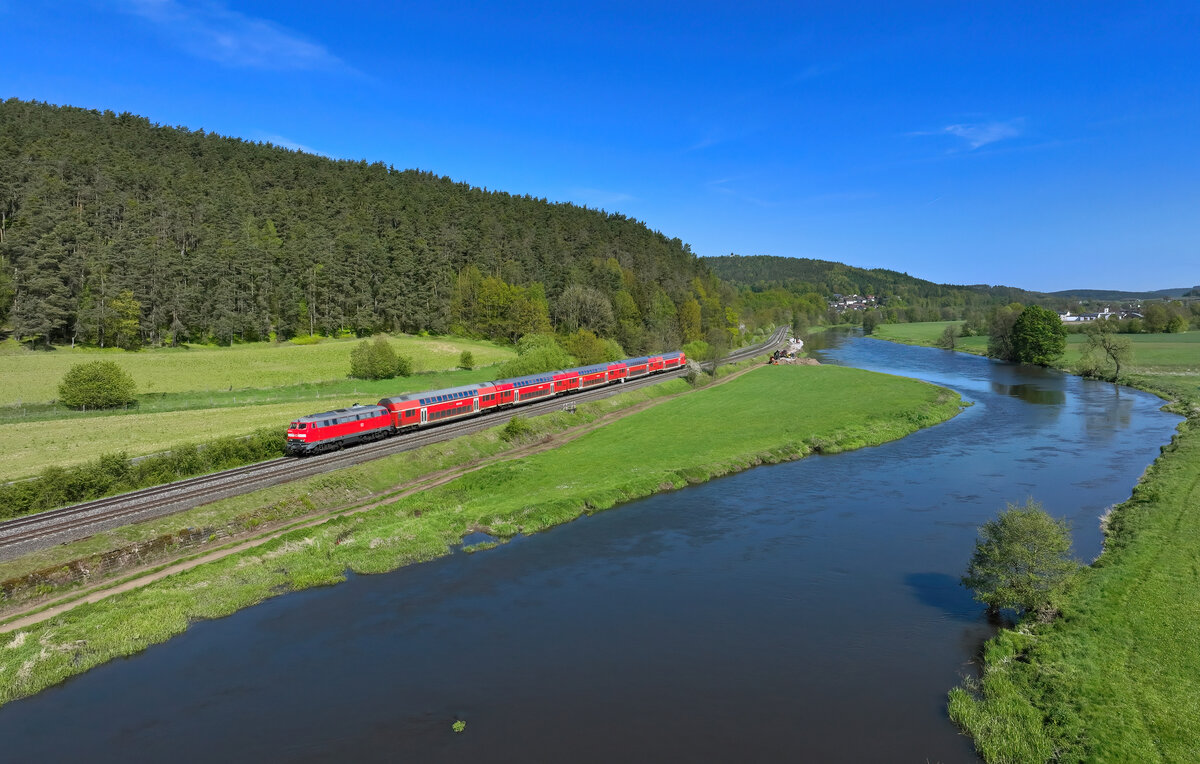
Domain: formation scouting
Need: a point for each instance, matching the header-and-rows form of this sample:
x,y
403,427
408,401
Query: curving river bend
x,y
803,611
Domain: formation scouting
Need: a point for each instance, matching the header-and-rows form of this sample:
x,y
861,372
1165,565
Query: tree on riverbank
x,y
949,338
1038,336
1103,345
1021,560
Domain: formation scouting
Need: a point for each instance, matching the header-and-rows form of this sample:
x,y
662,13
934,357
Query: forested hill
x,y
799,274
114,230
1117,294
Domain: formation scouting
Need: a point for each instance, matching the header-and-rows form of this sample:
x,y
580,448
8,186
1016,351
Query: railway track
x,y
44,529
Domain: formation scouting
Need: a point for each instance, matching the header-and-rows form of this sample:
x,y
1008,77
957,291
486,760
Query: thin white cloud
x,y
287,143
595,197
210,30
979,134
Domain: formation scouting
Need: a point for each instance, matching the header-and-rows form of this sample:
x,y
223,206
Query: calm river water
x,y
803,611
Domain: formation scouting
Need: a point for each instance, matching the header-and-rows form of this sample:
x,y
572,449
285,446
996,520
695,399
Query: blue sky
x,y
1041,145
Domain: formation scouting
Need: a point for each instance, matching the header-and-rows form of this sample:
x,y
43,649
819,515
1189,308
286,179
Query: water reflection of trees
x,y
1031,393
1106,413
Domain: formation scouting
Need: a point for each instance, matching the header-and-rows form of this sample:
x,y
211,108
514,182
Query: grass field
x,y
782,412
27,447
1117,676
29,376
1171,353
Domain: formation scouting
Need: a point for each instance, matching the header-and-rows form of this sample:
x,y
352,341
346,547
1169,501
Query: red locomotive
x,y
358,424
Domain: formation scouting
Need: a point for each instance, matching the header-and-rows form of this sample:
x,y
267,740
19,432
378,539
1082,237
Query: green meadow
x,y
1152,353
1117,676
782,412
203,394
32,376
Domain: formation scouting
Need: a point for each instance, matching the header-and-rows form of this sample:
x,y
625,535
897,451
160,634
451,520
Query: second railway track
x,y
44,529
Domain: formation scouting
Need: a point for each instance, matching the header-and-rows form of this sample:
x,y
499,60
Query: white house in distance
x,y
842,303
1068,317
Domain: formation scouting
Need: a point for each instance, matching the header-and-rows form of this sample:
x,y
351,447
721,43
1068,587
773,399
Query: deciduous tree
x,y
375,359
1104,345
1038,336
1021,559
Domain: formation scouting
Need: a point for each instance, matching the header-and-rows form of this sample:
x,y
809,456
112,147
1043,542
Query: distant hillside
x,y
826,277
1116,294
115,230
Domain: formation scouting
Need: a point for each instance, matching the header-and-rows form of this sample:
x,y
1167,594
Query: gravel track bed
x,y
59,526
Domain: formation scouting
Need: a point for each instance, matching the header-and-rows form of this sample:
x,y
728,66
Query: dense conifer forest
x,y
118,232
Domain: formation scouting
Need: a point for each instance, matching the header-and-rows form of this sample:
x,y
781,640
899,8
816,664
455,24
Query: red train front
x,y
331,430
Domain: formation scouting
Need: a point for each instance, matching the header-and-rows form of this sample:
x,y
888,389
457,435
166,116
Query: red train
x,y
358,424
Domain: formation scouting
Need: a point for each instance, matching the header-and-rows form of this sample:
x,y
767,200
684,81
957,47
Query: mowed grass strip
x,y
1117,677
770,414
29,376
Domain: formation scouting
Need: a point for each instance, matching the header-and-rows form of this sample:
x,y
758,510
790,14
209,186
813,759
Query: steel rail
x,y
38,531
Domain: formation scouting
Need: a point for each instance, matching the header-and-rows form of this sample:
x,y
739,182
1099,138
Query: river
x,y
805,611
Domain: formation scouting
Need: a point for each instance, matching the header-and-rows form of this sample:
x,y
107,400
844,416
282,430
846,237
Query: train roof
x,y
463,391
590,369
673,354
529,379
631,361
358,408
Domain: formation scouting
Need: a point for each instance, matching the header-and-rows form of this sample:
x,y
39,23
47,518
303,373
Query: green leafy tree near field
x,y
949,338
1021,560
1105,346
375,359
1038,336
96,385
466,360
1000,329
870,320
588,348
536,353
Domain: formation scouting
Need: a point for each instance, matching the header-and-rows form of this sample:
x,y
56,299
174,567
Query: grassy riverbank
x,y
1117,676
770,414
1152,353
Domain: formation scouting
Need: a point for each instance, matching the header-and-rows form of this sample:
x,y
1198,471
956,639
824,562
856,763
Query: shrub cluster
x,y
115,473
96,385
375,359
517,429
